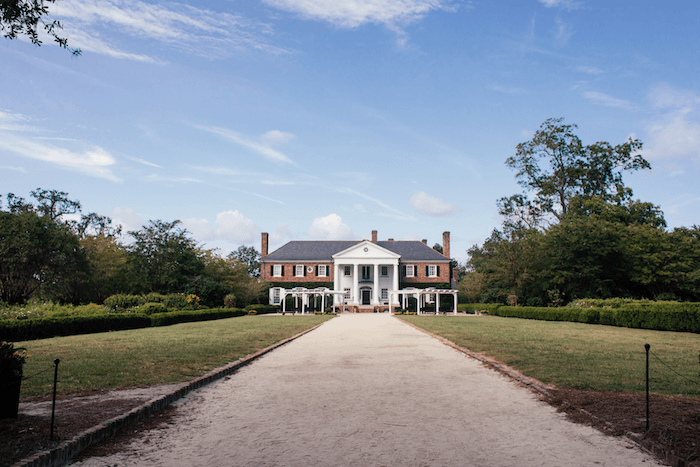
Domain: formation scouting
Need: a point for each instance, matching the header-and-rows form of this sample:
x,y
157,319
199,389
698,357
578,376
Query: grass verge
x,y
150,356
578,355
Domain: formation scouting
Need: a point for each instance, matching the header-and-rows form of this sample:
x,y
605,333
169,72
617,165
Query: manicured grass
x,y
578,355
145,357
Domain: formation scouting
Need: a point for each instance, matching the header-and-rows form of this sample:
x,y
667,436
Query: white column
x,y
454,296
355,284
284,301
396,280
437,303
375,297
336,281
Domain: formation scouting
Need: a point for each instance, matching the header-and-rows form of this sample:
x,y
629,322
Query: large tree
x,y
37,253
163,257
27,17
555,167
249,256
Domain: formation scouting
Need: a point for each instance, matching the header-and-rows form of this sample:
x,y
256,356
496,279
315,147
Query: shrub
x,y
123,302
188,316
177,301
229,301
43,328
151,308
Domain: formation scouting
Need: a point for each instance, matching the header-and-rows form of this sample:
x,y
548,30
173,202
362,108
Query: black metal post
x,y
647,347
56,361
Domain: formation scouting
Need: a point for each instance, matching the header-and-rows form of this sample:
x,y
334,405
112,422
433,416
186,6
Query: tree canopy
x,y
556,168
26,17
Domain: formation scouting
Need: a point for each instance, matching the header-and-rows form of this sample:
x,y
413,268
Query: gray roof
x,y
309,250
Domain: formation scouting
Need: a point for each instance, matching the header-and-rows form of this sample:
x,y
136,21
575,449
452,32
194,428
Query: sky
x,y
327,119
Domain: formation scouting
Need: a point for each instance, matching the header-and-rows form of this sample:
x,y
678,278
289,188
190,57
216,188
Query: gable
x,y
366,250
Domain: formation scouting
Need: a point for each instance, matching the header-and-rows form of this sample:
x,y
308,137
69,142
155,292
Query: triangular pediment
x,y
366,250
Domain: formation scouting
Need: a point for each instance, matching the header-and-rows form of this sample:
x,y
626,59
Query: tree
x,y
163,258
23,17
249,256
54,204
570,170
37,252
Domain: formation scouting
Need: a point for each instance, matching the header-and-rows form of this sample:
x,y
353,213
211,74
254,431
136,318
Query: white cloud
x,y
94,161
608,101
261,148
231,226
431,206
330,227
14,169
207,33
277,137
569,4
564,32
351,14
127,218
675,129
591,70
278,236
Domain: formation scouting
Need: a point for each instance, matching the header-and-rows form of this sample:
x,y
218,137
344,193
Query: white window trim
x,y
297,268
347,294
432,270
385,294
276,296
347,270
384,271
277,270
322,270
410,270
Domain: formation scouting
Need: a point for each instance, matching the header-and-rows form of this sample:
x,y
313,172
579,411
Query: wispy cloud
x,y
94,161
506,89
261,148
675,129
144,162
14,169
568,4
95,25
591,70
230,225
356,13
608,101
564,32
16,137
431,206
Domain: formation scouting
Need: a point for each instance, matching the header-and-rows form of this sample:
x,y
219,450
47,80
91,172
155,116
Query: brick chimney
x,y
374,236
425,241
446,244
263,247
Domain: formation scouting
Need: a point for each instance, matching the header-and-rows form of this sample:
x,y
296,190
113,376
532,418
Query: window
x,y
322,270
410,270
277,270
347,294
348,270
385,294
366,272
299,270
432,271
275,295
385,271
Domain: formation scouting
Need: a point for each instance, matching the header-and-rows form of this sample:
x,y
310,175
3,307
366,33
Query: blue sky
x,y
322,119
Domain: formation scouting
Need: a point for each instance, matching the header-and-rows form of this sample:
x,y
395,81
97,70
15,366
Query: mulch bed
x,y
674,434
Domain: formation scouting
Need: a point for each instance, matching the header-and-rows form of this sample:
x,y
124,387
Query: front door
x,y
366,296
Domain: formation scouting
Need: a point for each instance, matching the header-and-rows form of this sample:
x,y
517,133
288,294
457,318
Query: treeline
x,y
576,232
51,250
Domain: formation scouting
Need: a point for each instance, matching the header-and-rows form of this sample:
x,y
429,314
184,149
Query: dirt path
x,y
370,390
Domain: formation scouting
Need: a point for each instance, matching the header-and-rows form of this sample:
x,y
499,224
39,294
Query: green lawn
x,y
144,357
578,355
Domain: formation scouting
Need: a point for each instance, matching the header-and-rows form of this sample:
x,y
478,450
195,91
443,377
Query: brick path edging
x,y
65,451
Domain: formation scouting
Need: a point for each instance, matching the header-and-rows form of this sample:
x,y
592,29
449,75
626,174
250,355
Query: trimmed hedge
x,y
43,328
12,330
190,316
263,309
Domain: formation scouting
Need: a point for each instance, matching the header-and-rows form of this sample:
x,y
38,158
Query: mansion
x,y
366,275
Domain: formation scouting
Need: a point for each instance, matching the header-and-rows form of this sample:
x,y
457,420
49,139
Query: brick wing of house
x,y
367,275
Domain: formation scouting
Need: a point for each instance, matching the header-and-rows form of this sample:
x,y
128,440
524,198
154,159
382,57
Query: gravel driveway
x,y
369,390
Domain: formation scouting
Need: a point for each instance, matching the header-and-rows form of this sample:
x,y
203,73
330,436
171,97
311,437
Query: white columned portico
x,y
336,282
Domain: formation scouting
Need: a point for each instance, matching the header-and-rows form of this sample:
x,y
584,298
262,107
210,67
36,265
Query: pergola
x,y
421,296
304,294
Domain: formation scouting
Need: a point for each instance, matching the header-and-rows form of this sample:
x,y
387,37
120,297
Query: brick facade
x,y
421,276
288,276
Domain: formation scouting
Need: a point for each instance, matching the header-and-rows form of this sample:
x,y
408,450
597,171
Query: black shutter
x,y
272,270
438,271
283,270
304,271
403,270
316,270
427,271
